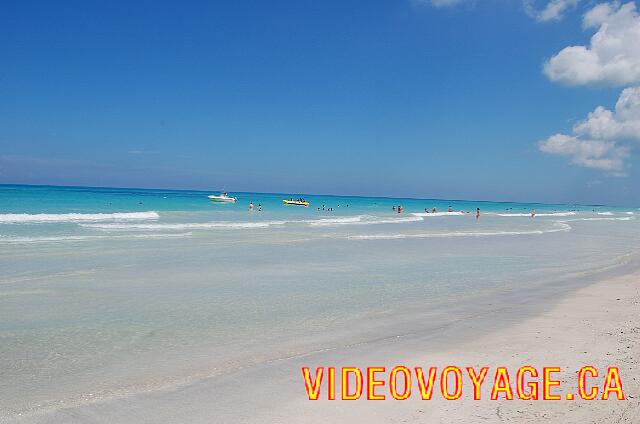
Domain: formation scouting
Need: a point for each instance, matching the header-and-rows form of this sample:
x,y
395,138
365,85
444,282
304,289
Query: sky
x,y
514,100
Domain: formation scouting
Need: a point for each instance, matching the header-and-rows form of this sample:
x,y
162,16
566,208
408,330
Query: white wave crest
x,y
341,220
18,218
605,213
559,227
537,214
185,226
429,214
623,218
362,220
61,239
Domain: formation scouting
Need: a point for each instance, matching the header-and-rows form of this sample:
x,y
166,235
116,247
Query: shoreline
x,y
510,341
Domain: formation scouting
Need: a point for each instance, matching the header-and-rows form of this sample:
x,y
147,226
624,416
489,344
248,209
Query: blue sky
x,y
394,98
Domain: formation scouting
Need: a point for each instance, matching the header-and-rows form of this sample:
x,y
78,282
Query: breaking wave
x,y
18,218
361,220
429,214
322,222
60,239
559,227
184,226
623,218
537,214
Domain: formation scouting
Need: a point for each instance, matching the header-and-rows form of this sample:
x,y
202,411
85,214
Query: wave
x,y
605,213
58,239
529,214
322,222
427,214
185,226
560,227
623,218
361,220
334,221
18,218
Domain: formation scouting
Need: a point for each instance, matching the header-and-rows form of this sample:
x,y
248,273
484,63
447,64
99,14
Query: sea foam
x,y
623,218
362,220
18,218
184,226
61,239
558,227
432,214
571,213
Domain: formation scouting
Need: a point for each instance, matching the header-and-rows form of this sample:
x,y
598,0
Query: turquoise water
x,y
57,214
107,292
52,199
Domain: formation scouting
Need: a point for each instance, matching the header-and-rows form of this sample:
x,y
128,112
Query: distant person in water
x,y
450,209
477,213
250,206
394,208
533,213
259,207
400,209
434,210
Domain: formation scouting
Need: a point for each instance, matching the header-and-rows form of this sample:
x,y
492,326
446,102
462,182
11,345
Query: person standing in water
x,y
250,206
477,213
533,213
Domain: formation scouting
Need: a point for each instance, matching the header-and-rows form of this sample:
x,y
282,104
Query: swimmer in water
x,y
533,213
477,213
250,206
259,207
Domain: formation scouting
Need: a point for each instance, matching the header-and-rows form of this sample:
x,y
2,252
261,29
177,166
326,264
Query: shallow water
x,y
110,291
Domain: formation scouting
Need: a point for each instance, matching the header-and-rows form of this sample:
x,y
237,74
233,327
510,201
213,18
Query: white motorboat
x,y
223,198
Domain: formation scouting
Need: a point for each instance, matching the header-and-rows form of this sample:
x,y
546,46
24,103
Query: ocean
x,y
106,292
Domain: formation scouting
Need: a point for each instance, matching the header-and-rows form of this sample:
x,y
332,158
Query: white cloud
x,y
442,3
613,56
596,154
603,140
553,11
621,124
